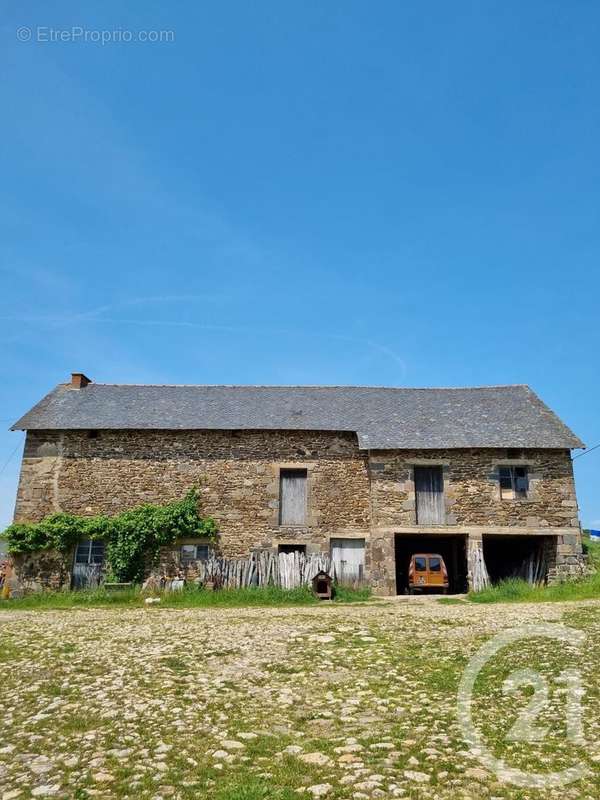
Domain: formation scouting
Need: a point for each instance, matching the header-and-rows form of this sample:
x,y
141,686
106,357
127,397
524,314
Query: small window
x,y
194,552
514,482
292,497
292,548
421,564
435,565
513,452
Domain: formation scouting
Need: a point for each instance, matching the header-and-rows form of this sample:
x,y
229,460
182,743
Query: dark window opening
x,y
93,434
292,548
514,452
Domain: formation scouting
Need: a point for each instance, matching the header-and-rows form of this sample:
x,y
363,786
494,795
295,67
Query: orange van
x,y
427,571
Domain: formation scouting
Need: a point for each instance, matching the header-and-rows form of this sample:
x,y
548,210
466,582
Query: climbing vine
x,y
132,538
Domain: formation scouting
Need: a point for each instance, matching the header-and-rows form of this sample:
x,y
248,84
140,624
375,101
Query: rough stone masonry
x,y
351,494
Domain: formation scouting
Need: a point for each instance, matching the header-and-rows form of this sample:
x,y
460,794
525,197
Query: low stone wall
x,y
45,570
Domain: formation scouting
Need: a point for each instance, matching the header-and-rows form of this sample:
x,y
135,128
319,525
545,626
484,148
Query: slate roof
x,y
382,418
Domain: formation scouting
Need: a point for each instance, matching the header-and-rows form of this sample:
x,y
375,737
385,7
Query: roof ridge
x,y
311,386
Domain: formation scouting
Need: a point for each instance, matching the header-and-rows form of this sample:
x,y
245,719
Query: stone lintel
x,y
472,530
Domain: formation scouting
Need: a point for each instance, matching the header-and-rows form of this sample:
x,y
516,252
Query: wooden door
x,y
429,493
348,556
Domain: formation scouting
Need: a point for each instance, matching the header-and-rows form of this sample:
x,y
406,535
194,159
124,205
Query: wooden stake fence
x,y
262,568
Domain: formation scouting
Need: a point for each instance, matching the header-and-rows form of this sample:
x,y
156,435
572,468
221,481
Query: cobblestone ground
x,y
333,701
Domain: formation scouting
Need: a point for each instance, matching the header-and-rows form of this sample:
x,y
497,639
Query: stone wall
x,y
472,489
350,493
237,474
47,569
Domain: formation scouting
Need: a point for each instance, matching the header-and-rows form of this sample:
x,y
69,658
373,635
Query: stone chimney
x,y
79,380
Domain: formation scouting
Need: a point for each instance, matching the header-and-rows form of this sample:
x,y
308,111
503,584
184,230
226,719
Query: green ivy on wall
x,y
132,537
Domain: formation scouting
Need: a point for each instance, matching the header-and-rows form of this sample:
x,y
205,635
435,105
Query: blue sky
x,y
303,192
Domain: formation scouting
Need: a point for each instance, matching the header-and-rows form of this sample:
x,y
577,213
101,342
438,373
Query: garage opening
x,y
453,549
525,557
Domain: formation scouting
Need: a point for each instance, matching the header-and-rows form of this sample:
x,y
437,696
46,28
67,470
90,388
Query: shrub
x,y
131,537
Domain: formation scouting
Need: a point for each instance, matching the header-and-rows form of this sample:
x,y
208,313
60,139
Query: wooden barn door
x,y
348,555
429,493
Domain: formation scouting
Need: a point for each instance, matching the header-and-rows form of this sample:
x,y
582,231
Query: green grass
x,y
254,789
190,597
451,601
519,591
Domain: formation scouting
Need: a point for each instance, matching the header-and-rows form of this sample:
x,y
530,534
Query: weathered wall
x,y
472,490
237,473
350,493
44,570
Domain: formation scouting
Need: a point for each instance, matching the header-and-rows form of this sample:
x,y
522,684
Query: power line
x,y
9,459
585,452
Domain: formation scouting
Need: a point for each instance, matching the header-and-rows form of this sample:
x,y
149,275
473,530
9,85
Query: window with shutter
x,y
429,494
292,497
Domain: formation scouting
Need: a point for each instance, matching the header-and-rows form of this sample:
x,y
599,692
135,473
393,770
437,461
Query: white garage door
x,y
348,555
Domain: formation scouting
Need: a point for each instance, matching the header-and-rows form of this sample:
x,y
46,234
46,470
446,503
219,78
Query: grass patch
x,y
344,594
74,599
190,597
451,601
254,789
519,591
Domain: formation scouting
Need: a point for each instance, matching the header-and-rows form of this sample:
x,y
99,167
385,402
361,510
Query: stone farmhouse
x,y
370,474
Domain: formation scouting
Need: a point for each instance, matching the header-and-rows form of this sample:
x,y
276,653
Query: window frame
x,y
92,558
185,560
508,473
